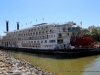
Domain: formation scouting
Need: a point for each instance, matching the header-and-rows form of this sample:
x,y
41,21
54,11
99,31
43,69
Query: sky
x,y
53,11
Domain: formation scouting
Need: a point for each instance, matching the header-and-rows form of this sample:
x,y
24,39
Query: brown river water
x,y
89,65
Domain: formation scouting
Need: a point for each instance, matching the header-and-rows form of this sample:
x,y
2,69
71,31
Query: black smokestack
x,y
7,27
17,25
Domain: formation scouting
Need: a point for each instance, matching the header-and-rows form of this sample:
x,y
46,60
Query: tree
x,y
92,31
86,32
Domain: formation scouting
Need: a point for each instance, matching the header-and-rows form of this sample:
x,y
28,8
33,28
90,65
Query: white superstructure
x,y
42,36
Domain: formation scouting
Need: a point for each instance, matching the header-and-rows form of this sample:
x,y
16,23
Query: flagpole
x,y
36,21
15,27
81,24
31,22
26,25
43,20
22,26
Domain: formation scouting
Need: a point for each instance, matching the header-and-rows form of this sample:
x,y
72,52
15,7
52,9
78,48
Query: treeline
x,y
92,31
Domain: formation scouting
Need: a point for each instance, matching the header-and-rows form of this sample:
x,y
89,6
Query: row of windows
x,y
31,38
45,41
37,37
39,46
28,31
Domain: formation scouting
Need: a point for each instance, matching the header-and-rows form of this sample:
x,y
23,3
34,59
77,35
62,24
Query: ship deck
x,y
56,52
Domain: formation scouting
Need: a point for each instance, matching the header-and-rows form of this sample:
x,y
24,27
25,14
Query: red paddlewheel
x,y
83,41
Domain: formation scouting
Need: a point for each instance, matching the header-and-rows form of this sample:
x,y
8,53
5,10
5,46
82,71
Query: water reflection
x,y
60,66
93,68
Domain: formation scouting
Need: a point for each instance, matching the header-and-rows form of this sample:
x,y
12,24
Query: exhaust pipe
x,y
7,26
17,25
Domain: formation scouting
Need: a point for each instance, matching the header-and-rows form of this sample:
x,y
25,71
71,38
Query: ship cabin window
x,y
42,28
41,41
54,35
13,43
69,28
7,43
51,35
37,41
43,32
60,41
34,41
68,34
31,41
46,32
64,29
31,29
45,41
38,28
51,41
31,33
50,31
47,36
73,28
39,33
36,33
60,35
29,38
43,37
34,29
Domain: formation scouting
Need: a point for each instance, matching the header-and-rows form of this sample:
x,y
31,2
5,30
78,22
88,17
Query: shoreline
x,y
12,65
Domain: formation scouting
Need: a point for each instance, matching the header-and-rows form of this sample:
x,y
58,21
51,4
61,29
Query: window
x,y
51,41
51,36
31,29
41,41
34,41
29,38
68,34
45,41
54,35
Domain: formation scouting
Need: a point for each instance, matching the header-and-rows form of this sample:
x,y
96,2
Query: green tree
x,y
92,31
86,32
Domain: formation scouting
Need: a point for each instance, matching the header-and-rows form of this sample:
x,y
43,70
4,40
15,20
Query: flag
x,y
81,23
31,22
36,20
43,19
26,23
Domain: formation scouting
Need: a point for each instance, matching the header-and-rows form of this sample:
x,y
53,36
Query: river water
x,y
63,66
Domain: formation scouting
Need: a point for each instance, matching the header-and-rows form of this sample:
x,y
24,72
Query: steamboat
x,y
64,38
